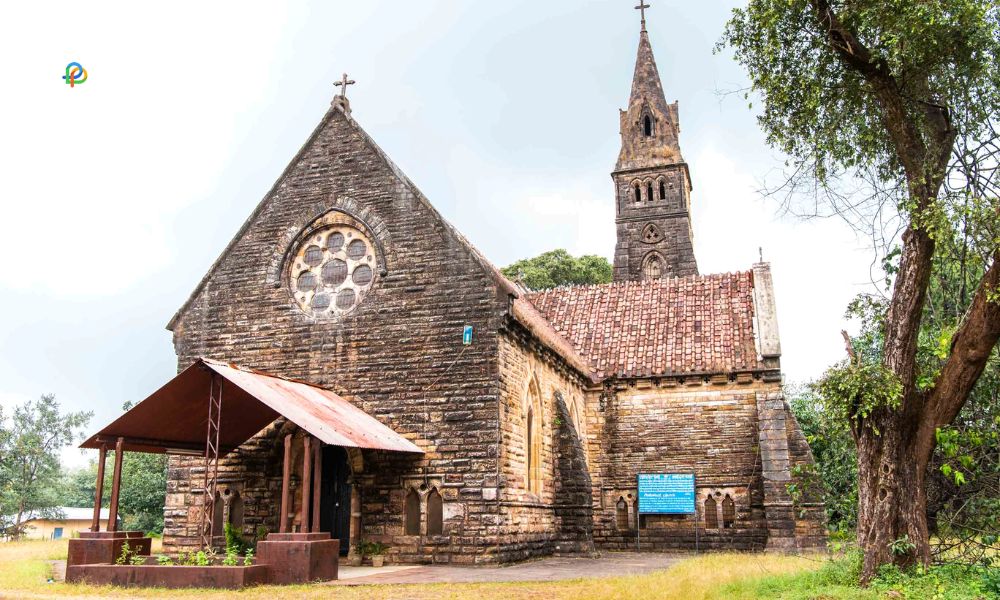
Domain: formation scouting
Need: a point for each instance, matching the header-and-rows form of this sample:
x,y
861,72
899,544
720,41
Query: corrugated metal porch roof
x,y
175,417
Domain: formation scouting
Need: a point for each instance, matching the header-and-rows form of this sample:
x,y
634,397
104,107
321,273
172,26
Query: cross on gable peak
x,y
342,84
642,11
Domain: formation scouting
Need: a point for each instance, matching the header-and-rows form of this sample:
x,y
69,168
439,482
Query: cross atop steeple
x,y
342,84
642,11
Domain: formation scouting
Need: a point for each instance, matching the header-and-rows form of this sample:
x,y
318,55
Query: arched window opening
x,y
647,126
649,191
663,190
412,513
640,520
711,514
533,439
236,511
652,268
218,516
435,513
621,513
728,512
530,454
638,193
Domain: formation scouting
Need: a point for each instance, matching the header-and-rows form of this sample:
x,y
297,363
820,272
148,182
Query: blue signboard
x,y
467,335
666,493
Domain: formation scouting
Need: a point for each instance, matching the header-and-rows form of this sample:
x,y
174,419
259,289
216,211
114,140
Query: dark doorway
x,y
335,497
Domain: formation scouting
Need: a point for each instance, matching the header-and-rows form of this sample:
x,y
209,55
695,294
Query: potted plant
x,y
358,556
377,551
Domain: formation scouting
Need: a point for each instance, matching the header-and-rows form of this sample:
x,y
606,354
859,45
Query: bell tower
x,y
652,182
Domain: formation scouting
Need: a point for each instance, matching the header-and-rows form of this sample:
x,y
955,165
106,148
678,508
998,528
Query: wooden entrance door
x,y
335,497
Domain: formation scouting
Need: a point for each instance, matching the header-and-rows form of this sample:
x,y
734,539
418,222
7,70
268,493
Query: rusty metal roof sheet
x,y
175,417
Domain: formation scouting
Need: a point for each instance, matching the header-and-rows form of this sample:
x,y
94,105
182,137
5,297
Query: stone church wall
x,y
556,516
668,426
399,353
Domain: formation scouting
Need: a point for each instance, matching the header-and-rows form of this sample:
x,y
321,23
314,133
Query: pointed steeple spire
x,y
649,127
652,183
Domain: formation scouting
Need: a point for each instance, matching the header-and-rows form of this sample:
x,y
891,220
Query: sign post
x,y
664,494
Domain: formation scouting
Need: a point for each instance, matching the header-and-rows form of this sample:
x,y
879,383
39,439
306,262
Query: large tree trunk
x,y
892,497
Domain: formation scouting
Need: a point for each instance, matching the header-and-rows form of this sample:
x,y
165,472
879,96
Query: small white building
x,y
74,520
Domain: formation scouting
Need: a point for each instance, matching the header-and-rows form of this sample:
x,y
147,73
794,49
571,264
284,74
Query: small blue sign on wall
x,y
666,493
467,335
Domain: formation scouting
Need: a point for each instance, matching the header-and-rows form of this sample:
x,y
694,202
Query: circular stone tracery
x,y
332,270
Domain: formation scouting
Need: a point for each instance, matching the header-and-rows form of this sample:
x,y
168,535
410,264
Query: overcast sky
x,y
118,194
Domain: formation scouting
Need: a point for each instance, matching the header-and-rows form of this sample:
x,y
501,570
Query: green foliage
x,y
366,548
902,546
819,110
202,558
232,557
838,578
143,491
855,389
164,560
248,558
834,477
29,460
558,267
235,542
123,556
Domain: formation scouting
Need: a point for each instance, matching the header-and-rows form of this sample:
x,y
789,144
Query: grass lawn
x,y
24,570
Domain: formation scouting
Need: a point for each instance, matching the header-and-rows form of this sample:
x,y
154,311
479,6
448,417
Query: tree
x,y
30,460
885,108
558,267
142,495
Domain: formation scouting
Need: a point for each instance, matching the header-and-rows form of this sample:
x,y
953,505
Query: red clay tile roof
x,y
697,324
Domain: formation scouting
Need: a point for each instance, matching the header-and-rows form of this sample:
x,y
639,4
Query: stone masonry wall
x,y
557,518
669,426
399,354
656,225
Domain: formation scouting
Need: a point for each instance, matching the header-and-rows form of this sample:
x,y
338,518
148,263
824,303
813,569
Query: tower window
x,y
663,190
647,126
638,193
652,267
649,191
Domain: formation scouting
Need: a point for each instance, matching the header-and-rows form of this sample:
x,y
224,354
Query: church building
x,y
532,426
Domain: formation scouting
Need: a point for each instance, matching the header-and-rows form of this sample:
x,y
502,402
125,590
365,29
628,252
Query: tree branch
x,y
970,350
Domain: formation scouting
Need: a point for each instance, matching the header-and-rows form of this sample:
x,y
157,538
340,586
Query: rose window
x,y
332,270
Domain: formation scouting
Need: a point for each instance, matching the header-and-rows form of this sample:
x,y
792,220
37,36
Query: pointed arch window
x,y
621,513
728,512
649,191
711,513
435,513
638,193
533,439
663,190
652,267
412,510
647,126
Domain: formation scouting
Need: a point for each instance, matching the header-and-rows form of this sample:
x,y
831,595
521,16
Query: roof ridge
x,y
631,283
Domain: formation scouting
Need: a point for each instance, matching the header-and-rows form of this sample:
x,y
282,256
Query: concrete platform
x,y
611,564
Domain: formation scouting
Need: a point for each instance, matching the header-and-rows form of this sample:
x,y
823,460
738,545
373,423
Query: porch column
x,y
286,475
306,472
95,525
116,485
317,482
